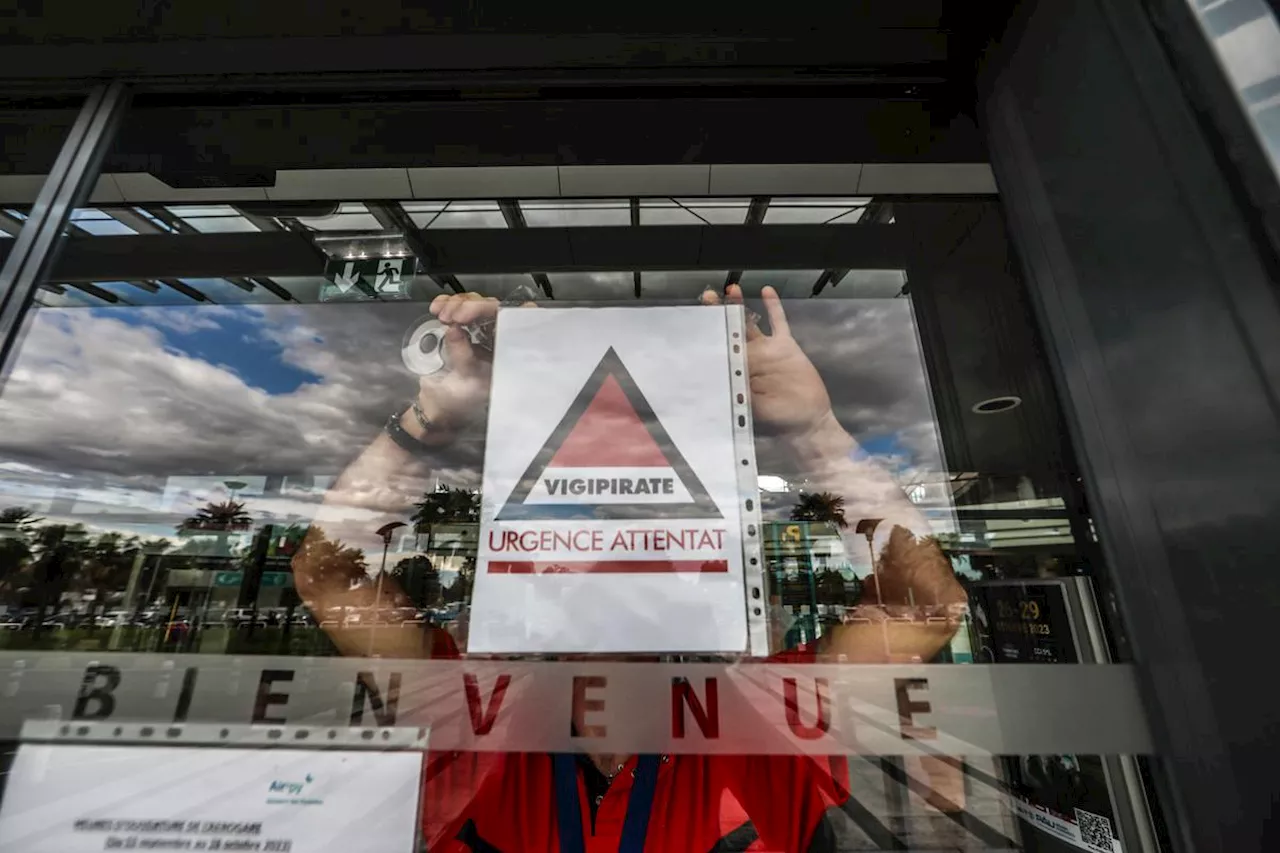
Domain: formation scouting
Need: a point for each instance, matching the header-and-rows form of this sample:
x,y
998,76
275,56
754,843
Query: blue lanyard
x,y
569,805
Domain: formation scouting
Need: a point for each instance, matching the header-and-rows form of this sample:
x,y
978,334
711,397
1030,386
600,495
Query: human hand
x,y
787,394
451,397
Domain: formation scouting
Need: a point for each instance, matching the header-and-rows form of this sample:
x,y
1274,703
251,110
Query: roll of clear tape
x,y
423,349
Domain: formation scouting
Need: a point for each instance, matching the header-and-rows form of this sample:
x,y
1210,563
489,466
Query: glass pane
x,y
792,284
720,214
465,215
98,223
593,285
808,211
423,212
694,211
667,213
874,284
496,286
682,285
563,214
289,445
347,217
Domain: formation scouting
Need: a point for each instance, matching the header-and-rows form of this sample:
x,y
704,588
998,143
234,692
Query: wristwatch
x,y
401,436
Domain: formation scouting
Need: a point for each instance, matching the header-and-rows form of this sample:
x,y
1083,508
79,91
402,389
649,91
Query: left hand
x,y
787,393
453,396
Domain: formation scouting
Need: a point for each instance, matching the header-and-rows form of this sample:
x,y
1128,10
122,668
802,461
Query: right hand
x,y
452,397
787,394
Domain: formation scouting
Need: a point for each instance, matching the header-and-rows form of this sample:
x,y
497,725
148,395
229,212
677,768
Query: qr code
x,y
1095,830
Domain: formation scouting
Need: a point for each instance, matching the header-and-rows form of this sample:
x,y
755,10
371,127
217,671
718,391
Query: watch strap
x,y
421,417
401,436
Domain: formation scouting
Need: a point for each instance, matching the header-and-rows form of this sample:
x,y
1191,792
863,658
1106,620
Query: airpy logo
x,y
289,789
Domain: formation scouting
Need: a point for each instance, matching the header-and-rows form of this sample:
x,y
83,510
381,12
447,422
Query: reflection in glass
x,y
563,214
593,285
499,285
213,219
815,211
680,285
466,214
297,387
203,458
792,284
694,211
98,223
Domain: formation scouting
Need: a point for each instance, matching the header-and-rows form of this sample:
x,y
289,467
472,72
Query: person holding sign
x,y
486,801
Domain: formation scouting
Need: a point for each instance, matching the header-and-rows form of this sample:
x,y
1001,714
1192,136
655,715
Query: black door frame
x,y
1152,278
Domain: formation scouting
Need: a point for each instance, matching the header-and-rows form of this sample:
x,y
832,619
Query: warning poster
x,y
611,519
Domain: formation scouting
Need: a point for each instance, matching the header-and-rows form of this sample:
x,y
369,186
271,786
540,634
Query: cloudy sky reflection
x,y
127,418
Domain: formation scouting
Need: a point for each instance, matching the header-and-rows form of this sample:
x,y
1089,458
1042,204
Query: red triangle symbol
x,y
609,434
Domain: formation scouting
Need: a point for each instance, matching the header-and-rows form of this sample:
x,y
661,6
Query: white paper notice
x,y
610,516
70,798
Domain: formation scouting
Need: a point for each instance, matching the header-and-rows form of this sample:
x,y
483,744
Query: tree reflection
x,y
226,516
420,579
446,505
830,587
40,563
820,507
17,532
334,562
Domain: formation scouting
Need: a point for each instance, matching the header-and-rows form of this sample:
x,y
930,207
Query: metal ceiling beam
x,y
514,217
876,213
173,220
823,280
185,289
447,281
10,224
540,279
381,213
755,216
129,217
593,130
504,35
397,219
831,277
298,230
512,213
501,250
269,285
94,290
262,223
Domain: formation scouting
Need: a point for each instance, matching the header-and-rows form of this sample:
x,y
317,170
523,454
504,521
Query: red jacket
x,y
486,802
475,802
